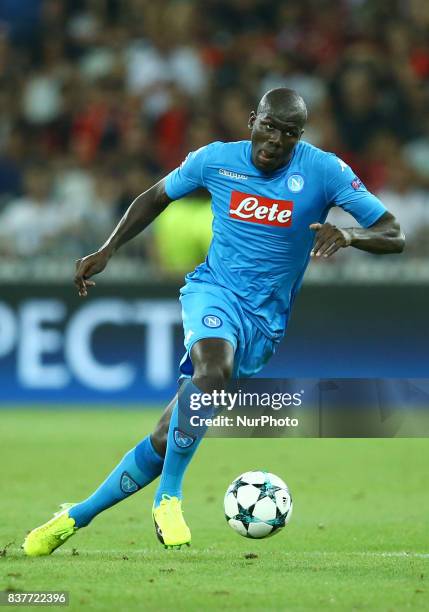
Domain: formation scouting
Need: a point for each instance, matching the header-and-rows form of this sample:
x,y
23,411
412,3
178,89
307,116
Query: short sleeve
x,y
343,188
188,176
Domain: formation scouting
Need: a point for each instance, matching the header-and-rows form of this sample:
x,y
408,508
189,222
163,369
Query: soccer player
x,y
270,199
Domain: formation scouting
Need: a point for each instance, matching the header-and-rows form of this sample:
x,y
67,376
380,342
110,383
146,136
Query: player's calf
x,y
160,433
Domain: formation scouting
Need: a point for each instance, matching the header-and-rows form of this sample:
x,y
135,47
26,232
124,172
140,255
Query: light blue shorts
x,y
211,311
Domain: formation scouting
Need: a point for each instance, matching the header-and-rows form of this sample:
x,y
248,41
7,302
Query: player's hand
x,y
87,267
329,239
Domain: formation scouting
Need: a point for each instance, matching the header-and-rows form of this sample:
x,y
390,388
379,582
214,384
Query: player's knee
x,y
212,375
207,369
213,361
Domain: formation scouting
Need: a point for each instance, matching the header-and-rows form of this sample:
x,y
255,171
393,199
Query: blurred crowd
x,y
101,98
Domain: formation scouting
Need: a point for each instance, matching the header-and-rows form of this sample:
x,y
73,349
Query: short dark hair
x,y
281,99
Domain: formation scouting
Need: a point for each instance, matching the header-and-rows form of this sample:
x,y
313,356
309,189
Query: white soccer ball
x,y
257,504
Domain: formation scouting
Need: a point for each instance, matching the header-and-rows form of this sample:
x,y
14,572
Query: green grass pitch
x,y
358,539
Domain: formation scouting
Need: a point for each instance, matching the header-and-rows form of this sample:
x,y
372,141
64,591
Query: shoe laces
x,y
62,532
169,505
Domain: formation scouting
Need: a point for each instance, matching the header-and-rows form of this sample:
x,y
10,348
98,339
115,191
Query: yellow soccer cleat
x,y
170,527
45,539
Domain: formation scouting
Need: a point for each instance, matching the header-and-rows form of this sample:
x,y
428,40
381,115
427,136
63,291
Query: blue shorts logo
x,y
212,321
295,183
128,485
182,439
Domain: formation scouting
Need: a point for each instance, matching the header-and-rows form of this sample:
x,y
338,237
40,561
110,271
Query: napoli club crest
x,y
128,485
182,439
212,321
295,183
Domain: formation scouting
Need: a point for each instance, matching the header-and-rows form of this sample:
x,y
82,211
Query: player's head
x,y
276,126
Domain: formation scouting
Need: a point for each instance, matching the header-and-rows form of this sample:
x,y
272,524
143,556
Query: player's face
x,y
273,138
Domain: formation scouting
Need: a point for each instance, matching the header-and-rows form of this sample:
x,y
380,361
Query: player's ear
x,y
252,118
302,132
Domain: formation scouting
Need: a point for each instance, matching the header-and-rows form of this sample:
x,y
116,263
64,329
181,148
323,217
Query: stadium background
x,y
99,99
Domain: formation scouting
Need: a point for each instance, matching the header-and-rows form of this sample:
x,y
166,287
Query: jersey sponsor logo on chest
x,y
257,209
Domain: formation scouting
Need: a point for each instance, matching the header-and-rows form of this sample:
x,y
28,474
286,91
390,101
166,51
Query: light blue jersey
x,y
261,238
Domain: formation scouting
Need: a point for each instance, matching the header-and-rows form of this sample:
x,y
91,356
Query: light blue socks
x,y
139,467
182,442
142,464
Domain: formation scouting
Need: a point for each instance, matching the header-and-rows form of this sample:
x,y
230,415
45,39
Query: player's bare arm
x,y
142,211
383,237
